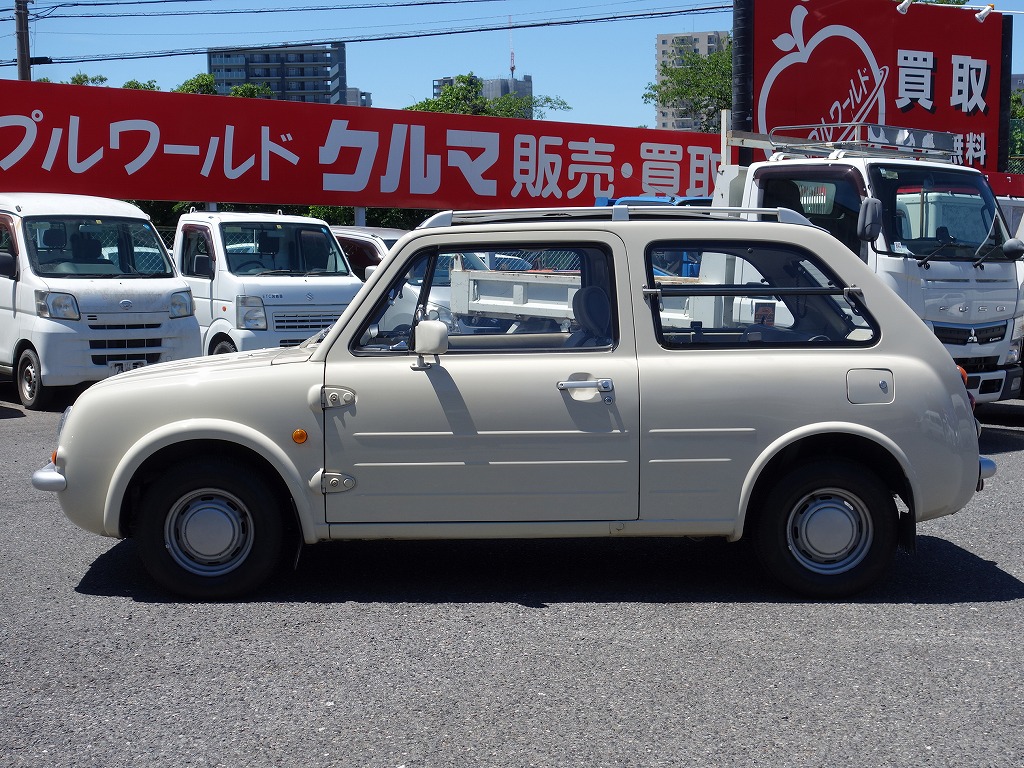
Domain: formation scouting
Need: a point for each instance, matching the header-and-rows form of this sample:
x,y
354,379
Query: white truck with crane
x,y
942,246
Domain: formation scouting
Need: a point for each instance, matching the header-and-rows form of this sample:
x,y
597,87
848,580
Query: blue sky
x,y
600,69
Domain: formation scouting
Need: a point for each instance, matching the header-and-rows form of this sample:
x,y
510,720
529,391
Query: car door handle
x,y
601,385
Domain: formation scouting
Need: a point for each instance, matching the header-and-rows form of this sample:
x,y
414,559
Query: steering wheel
x,y
251,262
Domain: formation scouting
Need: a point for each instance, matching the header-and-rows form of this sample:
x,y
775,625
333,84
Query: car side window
x,y
197,258
534,298
751,295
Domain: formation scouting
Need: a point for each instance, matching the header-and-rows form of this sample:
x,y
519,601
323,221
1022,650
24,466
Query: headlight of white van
x,y
250,313
1013,356
181,304
60,306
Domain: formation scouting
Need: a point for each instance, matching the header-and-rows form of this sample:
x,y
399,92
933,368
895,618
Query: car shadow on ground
x,y
541,572
1002,427
11,407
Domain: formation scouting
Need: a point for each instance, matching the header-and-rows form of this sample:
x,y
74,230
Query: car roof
x,y
49,204
383,232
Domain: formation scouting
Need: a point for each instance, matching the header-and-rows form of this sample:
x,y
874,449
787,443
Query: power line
x,y
52,13
697,10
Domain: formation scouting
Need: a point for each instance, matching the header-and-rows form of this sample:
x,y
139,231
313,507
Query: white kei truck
x,y
261,280
87,290
944,248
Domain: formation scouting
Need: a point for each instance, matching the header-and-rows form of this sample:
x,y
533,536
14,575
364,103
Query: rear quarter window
x,y
751,295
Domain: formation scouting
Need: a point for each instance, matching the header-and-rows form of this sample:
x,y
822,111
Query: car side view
x,y
770,388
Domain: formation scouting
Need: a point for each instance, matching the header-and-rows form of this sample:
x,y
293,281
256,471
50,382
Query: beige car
x,y
782,394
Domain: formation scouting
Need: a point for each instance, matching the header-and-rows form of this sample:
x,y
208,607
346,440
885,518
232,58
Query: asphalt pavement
x,y
508,654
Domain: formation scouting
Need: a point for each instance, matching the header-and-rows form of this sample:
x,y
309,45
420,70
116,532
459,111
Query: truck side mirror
x,y
8,265
1013,248
869,220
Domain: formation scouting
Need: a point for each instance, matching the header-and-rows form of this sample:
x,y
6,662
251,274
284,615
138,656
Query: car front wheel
x,y
209,529
827,529
31,392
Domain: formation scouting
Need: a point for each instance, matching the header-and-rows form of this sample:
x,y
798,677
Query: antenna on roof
x,y
511,50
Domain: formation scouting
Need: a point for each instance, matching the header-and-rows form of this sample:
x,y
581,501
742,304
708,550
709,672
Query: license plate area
x,y
120,366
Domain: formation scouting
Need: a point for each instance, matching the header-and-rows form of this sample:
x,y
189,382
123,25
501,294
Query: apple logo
x,y
805,84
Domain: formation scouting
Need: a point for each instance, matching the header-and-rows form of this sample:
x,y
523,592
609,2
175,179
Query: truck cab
x,y
87,290
262,280
943,245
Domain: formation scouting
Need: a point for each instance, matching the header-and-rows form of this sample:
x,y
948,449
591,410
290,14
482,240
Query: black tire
x,y
827,529
210,529
31,392
224,347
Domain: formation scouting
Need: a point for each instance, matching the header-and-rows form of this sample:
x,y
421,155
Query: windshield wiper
x,y
988,236
923,260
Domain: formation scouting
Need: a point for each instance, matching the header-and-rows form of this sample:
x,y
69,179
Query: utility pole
x,y
21,32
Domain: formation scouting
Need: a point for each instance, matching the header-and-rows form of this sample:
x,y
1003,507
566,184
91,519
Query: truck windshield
x,y
275,248
87,247
938,214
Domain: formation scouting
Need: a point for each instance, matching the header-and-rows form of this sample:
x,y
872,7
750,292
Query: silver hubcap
x,y
829,531
209,532
29,381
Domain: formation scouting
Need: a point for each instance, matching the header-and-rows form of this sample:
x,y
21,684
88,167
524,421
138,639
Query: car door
x,y
522,419
197,267
8,294
760,345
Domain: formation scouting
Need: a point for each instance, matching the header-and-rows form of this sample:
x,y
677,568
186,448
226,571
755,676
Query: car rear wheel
x,y
827,529
209,529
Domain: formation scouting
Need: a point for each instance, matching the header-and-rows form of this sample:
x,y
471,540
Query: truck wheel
x,y
224,347
210,529
827,529
31,392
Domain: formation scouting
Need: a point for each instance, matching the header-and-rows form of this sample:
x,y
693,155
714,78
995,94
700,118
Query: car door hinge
x,y
336,397
335,482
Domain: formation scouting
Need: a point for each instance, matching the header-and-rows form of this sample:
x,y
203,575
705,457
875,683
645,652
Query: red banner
x,y
838,61
146,145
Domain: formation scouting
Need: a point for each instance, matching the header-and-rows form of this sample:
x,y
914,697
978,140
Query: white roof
x,y
228,217
48,204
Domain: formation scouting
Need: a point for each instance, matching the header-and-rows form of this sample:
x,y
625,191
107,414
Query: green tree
x,y
466,97
136,85
700,87
202,83
80,78
252,91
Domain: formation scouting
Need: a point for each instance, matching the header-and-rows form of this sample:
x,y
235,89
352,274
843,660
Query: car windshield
x,y
87,246
275,248
938,214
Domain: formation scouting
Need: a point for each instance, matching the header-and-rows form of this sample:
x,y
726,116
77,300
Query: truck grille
x,y
304,321
105,351
978,334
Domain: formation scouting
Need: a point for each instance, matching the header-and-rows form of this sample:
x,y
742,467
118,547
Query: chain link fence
x,y
1015,162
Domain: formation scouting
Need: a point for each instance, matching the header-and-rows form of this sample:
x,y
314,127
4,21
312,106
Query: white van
x,y
87,290
261,280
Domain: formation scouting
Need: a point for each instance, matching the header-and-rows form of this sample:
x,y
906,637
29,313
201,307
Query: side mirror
x,y
8,265
369,271
869,220
430,337
1013,248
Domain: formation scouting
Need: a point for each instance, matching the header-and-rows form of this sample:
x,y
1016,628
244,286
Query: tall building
x,y
494,88
670,50
309,73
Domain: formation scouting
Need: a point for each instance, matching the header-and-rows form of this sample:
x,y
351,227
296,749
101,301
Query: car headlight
x,y
250,313
181,304
60,306
1016,339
